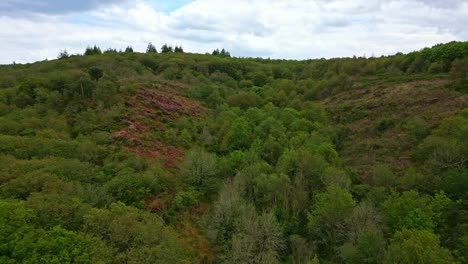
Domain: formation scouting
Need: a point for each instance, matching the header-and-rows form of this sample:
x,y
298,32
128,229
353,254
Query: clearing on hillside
x,y
150,112
384,124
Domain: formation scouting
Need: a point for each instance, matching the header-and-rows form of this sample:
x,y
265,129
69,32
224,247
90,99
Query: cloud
x,y
15,7
442,3
294,29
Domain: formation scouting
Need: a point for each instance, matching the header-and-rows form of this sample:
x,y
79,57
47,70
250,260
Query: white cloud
x,y
296,29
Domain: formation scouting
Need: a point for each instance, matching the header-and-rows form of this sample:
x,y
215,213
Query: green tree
x,y
383,176
166,49
224,53
410,210
151,48
178,49
459,74
327,218
132,188
63,54
129,49
21,242
336,177
416,246
368,248
272,190
238,137
138,236
93,51
95,73
258,241
200,169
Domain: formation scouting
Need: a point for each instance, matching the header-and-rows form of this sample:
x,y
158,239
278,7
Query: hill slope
x,y
385,123
187,158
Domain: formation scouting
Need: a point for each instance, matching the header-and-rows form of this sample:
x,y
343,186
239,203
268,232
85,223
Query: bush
x,y
95,73
384,124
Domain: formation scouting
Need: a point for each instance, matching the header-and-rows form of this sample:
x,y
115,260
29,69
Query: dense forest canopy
x,y
172,157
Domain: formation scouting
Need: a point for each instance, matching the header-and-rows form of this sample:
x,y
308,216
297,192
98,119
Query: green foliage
x,y
200,169
369,248
21,242
166,49
446,52
414,211
459,74
95,50
245,235
137,235
222,53
267,129
63,55
131,188
327,218
382,175
416,246
271,190
178,49
95,73
384,124
243,100
151,48
29,147
446,148
185,199
238,137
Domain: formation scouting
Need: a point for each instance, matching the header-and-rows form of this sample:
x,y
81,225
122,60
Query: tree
x,y
133,188
333,176
238,137
368,248
63,54
410,210
151,48
93,51
243,99
166,49
224,53
129,49
95,73
22,242
137,236
199,169
272,190
383,176
327,218
111,50
244,236
258,241
417,246
179,49
459,74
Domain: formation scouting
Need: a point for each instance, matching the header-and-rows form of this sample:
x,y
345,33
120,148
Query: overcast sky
x,y
33,30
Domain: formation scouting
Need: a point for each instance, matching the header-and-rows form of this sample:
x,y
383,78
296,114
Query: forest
x,y
173,157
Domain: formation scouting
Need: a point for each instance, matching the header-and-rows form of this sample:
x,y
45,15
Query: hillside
x,y
174,157
384,124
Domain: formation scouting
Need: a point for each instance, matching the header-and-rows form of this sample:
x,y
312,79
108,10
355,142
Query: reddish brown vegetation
x,y
191,234
148,113
155,204
360,110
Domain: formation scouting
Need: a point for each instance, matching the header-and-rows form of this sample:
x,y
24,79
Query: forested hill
x,y
171,157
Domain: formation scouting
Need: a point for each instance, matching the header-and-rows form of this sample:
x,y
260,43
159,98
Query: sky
x,y
33,30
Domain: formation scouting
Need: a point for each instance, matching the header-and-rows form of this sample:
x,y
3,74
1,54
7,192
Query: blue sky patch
x,y
168,6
